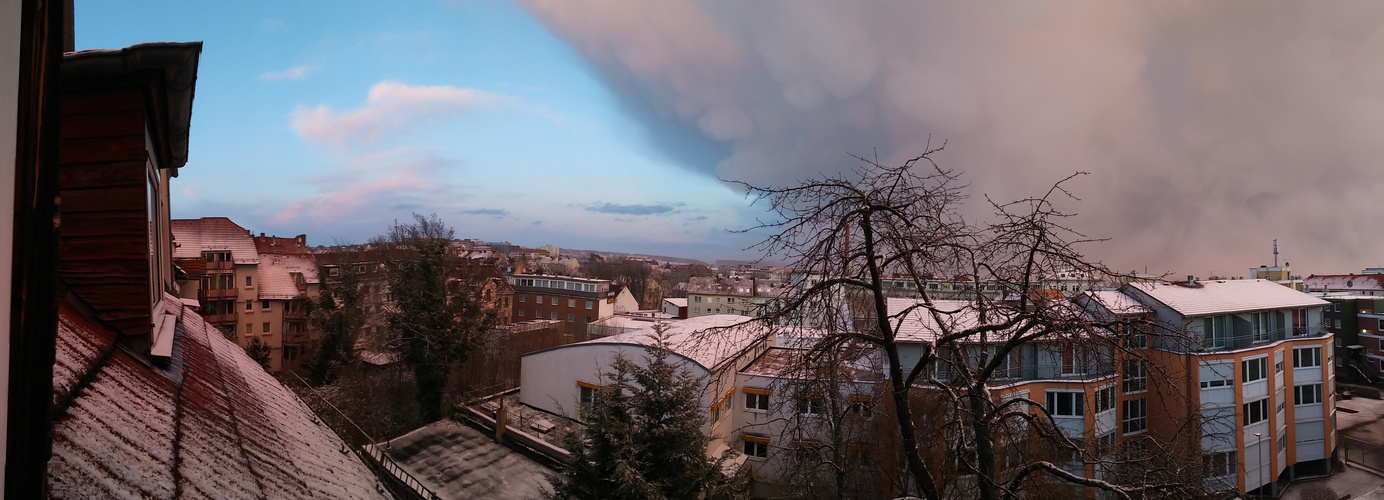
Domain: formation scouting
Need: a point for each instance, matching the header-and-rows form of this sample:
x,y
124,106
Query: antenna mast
x,y
1275,252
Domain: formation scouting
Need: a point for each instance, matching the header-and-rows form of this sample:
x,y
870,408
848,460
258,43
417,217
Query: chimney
x,y
1191,280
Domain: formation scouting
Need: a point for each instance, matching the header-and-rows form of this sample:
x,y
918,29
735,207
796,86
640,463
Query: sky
x,y
1208,129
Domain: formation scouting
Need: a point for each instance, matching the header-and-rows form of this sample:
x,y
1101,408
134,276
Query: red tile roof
x,y
211,424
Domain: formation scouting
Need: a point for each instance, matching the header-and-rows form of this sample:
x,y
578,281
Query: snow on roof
x,y
783,362
276,271
456,461
1226,296
919,325
1345,282
1117,302
235,431
705,340
194,236
679,302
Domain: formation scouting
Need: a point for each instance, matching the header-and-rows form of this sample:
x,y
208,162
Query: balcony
x,y
216,294
293,315
1244,339
221,266
946,372
215,319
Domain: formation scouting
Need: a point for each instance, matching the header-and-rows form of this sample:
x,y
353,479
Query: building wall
x,y
549,379
109,183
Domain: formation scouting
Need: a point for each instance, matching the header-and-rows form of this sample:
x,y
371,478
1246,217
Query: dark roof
x,y
212,424
456,461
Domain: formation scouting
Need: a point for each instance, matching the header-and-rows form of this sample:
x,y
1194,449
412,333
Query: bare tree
x,y
854,235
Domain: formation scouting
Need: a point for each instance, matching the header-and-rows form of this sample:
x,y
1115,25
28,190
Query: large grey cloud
x,y
1210,128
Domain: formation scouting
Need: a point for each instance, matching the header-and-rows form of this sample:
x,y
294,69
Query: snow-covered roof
x,y
678,302
276,275
1117,302
919,325
194,236
705,340
1226,296
212,425
783,362
1344,282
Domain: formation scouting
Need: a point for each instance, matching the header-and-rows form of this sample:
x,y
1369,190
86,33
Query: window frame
x,y
757,400
1134,414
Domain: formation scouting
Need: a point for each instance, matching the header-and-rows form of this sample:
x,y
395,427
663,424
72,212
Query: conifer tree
x,y
643,437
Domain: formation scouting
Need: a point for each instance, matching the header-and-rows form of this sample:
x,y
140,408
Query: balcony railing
x,y
229,317
293,315
947,372
221,266
216,294
1241,341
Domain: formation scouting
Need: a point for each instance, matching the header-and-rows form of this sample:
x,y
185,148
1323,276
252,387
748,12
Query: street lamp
x,y
1259,441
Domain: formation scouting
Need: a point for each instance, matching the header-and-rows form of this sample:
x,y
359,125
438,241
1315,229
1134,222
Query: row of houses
x,y
1239,372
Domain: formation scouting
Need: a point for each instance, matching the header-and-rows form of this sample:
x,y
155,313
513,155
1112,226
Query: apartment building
x,y
743,295
1257,367
575,301
247,285
1358,334
1327,285
219,260
287,277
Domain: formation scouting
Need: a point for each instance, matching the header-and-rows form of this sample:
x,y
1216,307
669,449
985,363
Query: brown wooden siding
x,y
104,248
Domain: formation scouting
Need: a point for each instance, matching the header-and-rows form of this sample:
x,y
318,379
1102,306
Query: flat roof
x,y
705,340
1226,296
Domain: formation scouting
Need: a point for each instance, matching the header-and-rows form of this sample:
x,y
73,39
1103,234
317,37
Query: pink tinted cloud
x,y
336,201
389,106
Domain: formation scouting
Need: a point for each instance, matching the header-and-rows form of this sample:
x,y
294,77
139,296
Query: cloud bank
x,y
1210,128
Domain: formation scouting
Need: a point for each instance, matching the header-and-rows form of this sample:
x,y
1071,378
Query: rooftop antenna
x,y
1275,252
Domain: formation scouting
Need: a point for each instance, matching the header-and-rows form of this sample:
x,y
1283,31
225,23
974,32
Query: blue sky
x,y
1208,129
479,115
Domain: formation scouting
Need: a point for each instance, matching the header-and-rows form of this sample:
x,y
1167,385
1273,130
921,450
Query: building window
x,y
588,304
538,299
537,314
810,405
1256,411
571,302
1336,323
1066,404
755,446
552,315
571,318
1254,369
756,399
521,313
1105,399
1219,464
1214,332
1135,338
1135,376
1307,357
264,304
249,328
1135,415
249,305
247,281
266,327
554,300
697,310
1307,394
696,298
523,298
